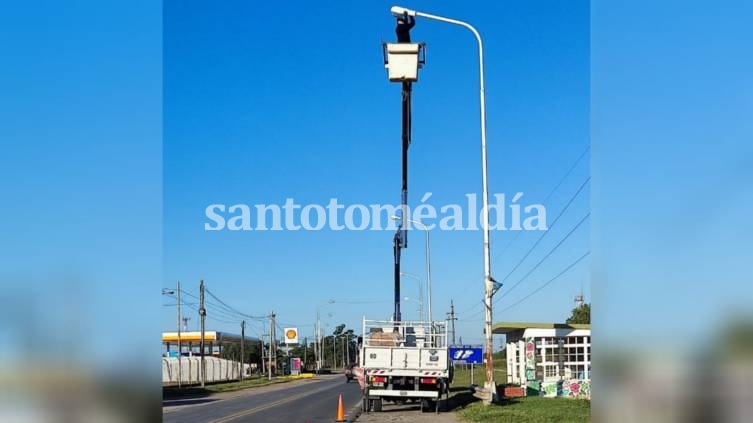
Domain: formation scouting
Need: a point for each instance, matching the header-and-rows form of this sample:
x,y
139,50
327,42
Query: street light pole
x,y
489,283
166,291
420,293
427,256
318,351
427,260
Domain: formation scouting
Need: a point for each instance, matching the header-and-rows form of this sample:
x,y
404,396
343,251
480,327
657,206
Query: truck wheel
x,y
377,405
425,405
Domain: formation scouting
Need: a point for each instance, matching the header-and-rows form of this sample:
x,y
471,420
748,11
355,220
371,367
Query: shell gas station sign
x,y
291,335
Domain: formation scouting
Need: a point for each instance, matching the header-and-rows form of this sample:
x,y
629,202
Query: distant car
x,y
349,375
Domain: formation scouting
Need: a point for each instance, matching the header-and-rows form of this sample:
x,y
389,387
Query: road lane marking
x,y
269,405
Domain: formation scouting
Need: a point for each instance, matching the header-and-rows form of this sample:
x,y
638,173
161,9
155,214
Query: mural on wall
x,y
549,389
567,388
530,359
576,389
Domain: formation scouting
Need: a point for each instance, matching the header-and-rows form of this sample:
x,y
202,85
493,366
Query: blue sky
x,y
264,103
80,138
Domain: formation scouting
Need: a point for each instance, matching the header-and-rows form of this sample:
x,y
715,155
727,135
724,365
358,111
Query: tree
x,y
581,315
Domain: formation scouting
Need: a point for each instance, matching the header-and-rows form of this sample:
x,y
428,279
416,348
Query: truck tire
x,y
377,405
425,405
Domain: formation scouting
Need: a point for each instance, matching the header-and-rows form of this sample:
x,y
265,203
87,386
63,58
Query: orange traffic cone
x,y
340,410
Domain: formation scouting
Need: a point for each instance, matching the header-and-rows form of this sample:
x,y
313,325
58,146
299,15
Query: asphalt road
x,y
306,401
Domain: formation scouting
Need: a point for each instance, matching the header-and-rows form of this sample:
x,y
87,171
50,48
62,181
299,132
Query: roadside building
x,y
548,359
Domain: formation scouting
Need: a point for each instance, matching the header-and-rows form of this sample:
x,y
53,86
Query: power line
x,y
209,316
538,241
578,260
232,309
554,222
547,198
225,310
217,309
536,266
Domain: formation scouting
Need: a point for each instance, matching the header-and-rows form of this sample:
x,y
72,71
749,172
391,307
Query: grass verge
x,y
530,410
519,410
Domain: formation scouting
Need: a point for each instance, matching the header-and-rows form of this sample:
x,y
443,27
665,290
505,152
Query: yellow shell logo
x,y
290,334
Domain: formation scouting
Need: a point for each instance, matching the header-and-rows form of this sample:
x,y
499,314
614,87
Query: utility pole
x,y
305,351
243,340
271,343
316,343
452,321
274,343
263,366
202,315
347,348
180,353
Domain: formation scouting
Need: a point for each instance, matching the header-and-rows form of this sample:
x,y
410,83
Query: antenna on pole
x,y
579,298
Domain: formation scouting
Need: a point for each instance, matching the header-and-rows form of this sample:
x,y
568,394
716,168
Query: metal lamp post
x,y
166,291
413,300
490,286
420,293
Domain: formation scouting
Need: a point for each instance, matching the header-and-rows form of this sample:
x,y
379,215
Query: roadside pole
x,y
202,314
243,339
180,347
271,340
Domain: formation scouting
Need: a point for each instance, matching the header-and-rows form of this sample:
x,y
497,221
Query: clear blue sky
x,y
264,102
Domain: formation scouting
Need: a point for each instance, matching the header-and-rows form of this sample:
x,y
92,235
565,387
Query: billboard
x,y
467,354
291,335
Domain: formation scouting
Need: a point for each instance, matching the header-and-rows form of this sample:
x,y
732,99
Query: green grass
x,y
519,410
530,410
462,378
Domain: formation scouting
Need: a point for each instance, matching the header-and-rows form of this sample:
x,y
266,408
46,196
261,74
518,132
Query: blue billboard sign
x,y
467,354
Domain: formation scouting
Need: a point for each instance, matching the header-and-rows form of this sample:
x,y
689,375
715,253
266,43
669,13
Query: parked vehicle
x,y
404,361
349,374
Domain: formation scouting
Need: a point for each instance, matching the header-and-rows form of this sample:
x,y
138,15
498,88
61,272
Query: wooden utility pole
x,y
243,340
202,315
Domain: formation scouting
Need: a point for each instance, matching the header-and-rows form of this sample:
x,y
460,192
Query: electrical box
x,y
403,61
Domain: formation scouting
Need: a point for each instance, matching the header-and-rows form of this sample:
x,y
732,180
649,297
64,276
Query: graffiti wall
x,y
567,388
530,359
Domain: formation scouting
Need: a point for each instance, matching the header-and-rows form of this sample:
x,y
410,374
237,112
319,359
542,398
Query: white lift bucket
x,y
403,61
